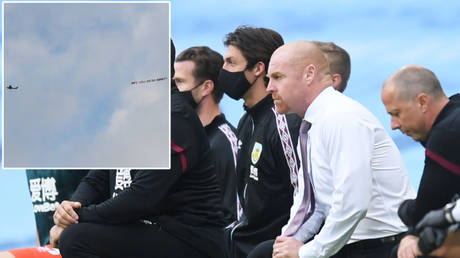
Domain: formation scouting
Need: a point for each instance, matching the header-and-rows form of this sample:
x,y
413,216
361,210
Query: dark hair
x,y
338,59
256,44
207,66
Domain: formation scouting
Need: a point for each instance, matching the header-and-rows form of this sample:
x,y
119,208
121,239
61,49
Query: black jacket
x,y
223,141
263,176
184,200
441,175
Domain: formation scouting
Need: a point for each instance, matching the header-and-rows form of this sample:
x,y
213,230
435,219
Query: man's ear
x,y
336,81
208,87
259,68
310,72
423,101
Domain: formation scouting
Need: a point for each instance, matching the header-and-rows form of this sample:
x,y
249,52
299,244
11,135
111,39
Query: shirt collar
x,y
454,102
259,107
318,104
218,120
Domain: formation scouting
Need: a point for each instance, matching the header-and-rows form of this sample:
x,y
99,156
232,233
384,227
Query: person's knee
x,y
71,238
262,250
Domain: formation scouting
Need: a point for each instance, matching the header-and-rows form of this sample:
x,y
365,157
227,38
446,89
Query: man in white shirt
x,y
339,66
356,171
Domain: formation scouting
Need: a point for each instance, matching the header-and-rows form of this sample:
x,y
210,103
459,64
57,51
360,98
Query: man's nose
x,y
395,124
270,87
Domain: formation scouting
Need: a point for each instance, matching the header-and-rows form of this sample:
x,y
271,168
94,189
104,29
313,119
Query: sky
x,y
380,36
75,105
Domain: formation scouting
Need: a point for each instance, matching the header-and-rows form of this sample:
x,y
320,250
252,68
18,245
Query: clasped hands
x,y
64,216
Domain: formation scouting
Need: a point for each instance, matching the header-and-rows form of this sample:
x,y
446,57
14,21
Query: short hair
x,y
256,44
208,64
412,80
338,59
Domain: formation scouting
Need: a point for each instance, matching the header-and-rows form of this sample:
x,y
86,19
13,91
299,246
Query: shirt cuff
x,y
308,251
456,212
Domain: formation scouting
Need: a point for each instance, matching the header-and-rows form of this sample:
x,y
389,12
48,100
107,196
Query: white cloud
x,y
74,64
137,122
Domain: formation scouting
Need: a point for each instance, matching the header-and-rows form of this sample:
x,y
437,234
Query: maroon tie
x,y
308,199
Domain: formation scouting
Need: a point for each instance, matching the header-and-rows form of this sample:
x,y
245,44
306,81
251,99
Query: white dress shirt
x,y
357,173
456,211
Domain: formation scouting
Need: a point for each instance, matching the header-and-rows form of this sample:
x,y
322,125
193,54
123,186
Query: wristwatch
x,y
448,212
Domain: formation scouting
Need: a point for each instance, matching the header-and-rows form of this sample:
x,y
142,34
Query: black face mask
x,y
234,84
188,97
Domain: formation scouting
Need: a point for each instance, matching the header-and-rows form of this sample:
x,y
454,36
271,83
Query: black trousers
x,y
371,248
381,251
374,248
123,240
263,250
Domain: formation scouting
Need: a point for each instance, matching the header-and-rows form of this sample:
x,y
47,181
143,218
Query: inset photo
x,y
86,85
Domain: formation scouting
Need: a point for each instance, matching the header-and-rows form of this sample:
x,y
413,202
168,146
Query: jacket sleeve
x,y
93,188
440,180
437,187
225,168
139,200
149,187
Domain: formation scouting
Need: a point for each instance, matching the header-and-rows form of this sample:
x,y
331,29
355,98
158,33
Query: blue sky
x,y
76,106
380,36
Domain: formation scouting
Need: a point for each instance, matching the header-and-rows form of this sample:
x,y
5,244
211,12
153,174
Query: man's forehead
x,y
389,91
186,66
275,66
391,101
287,50
280,57
183,69
281,63
233,52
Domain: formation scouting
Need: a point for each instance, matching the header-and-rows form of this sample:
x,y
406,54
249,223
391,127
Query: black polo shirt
x,y
441,175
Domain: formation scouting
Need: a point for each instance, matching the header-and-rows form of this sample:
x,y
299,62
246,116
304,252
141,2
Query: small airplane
x,y
12,88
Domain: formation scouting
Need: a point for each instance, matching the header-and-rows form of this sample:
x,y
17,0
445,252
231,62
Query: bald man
x,y
419,108
339,64
349,158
